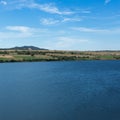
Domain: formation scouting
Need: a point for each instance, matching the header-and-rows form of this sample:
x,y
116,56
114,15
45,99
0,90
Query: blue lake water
x,y
80,90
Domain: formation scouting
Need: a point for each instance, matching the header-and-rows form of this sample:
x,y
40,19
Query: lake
x,y
75,90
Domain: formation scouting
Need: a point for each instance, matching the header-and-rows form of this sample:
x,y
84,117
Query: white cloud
x,y
66,43
72,40
13,35
19,28
49,21
84,29
21,32
16,32
107,1
3,2
71,19
49,8
101,31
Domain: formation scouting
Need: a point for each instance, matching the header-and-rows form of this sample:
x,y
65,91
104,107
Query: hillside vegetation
x,y
53,55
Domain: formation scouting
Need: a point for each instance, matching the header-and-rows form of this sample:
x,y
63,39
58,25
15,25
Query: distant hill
x,y
25,48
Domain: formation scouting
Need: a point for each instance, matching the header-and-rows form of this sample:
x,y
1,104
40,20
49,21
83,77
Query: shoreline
x,y
53,55
56,61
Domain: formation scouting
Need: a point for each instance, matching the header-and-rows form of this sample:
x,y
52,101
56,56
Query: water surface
x,y
84,90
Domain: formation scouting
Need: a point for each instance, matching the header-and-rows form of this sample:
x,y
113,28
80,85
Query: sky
x,y
60,24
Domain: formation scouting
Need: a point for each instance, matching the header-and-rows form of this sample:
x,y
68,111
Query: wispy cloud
x,y
60,39
93,30
71,19
50,8
48,21
86,11
83,11
66,43
3,2
52,21
107,1
18,28
32,4
18,32
85,29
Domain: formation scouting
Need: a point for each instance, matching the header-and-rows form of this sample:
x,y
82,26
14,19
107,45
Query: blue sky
x,y
61,24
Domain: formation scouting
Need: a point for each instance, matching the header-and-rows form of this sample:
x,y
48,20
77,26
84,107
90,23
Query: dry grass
x,y
48,55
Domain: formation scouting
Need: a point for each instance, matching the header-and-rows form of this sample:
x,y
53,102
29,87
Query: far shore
x,y
55,55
